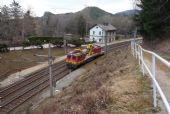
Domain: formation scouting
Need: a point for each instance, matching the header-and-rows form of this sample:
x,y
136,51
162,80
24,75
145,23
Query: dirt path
x,y
162,76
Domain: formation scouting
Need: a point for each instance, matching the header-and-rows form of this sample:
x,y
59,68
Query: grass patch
x,y
15,61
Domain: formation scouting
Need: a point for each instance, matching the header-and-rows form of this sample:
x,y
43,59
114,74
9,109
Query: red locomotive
x,y
78,57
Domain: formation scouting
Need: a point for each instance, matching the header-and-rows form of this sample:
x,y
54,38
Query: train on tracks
x,y
78,57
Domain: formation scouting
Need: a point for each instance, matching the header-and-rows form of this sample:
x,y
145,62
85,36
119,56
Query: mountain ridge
x,y
128,12
94,8
67,22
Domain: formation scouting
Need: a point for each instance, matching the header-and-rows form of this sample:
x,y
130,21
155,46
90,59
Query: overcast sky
x,y
65,6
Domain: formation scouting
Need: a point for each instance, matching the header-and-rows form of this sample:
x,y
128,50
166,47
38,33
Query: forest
x,y
153,21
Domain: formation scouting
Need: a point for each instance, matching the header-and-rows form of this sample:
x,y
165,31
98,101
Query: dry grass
x,y
17,60
163,48
113,86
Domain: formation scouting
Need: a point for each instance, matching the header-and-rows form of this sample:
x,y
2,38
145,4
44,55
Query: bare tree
x,y
16,14
5,22
38,27
123,24
28,25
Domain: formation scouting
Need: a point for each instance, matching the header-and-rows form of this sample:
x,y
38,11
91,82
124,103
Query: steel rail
x,y
8,105
25,83
27,78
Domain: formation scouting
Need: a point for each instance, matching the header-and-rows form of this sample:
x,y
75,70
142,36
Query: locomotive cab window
x,y
68,56
78,58
74,57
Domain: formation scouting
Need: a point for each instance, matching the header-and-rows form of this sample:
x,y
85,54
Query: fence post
x,y
139,56
154,75
0,102
135,50
132,47
142,62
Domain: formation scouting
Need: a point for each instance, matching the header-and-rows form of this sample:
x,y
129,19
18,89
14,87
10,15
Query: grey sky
x,y
64,6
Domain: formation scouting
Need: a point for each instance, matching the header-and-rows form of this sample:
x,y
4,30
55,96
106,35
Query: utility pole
x,y
105,48
66,38
65,44
50,60
50,70
135,33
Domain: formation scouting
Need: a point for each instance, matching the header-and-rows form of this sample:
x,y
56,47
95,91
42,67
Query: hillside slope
x,y
163,48
113,86
127,13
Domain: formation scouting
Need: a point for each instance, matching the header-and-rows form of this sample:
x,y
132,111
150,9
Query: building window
x,y
93,32
97,27
100,33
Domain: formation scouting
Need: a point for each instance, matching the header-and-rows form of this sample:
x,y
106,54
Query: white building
x,y
99,32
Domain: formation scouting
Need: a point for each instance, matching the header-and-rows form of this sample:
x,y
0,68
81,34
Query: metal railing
x,y
138,51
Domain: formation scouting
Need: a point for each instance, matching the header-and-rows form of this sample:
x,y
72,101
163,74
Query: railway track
x,y
16,94
20,92
117,46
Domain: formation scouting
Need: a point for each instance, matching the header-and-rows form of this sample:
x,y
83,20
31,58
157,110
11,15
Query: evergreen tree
x,y
154,18
81,25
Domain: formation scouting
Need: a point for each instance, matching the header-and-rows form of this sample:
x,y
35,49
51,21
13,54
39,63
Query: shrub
x,y
89,42
76,41
57,41
26,44
39,41
119,37
3,48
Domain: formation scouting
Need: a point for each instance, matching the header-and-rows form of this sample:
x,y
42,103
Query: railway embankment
x,y
110,85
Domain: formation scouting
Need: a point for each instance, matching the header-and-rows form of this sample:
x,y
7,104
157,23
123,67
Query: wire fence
x,y
138,52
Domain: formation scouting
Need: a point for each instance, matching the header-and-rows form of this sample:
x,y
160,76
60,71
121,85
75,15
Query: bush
x,y
58,41
76,41
39,41
89,42
26,44
3,48
119,37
